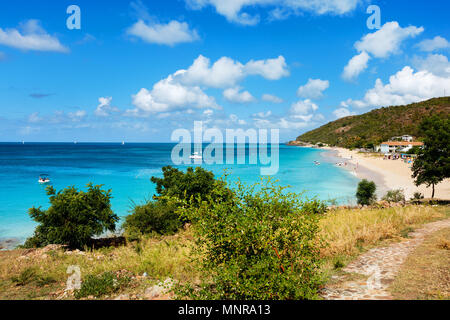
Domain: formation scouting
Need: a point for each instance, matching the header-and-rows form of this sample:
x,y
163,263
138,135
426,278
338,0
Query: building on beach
x,y
398,146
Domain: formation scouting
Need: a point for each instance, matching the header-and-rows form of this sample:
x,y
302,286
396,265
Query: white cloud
x,y
77,115
436,43
387,40
271,98
226,72
342,112
104,108
183,89
234,95
313,89
263,114
303,107
170,34
380,44
232,9
34,117
437,64
406,86
272,69
168,95
355,66
31,36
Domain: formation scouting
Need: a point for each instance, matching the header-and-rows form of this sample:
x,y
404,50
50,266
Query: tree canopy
x,y
433,162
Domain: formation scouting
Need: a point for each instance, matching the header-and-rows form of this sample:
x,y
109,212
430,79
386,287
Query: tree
x,y
433,161
365,194
73,218
154,216
197,183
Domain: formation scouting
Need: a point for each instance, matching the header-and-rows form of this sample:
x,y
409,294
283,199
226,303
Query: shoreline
x,y
387,174
358,171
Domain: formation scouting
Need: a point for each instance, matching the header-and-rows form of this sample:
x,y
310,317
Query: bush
x,y
159,217
197,184
97,286
365,194
394,196
256,245
417,196
73,218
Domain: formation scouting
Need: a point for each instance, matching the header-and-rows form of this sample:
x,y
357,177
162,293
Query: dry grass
x,y
349,231
159,258
426,272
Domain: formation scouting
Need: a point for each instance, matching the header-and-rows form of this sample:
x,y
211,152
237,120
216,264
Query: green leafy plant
x,y
100,285
197,184
394,196
153,217
73,218
260,244
365,194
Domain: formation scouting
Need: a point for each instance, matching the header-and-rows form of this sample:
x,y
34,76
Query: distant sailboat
x,y
23,142
123,143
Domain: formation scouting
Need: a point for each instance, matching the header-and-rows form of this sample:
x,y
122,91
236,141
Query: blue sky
x,y
137,70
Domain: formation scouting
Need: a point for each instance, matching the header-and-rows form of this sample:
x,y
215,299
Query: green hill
x,y
377,125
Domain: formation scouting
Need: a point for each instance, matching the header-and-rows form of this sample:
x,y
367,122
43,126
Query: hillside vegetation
x,y
377,125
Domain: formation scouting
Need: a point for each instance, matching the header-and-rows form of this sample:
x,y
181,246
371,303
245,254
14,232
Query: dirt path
x,y
380,265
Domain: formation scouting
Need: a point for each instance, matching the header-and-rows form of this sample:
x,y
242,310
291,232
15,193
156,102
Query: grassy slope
x,y
348,232
377,125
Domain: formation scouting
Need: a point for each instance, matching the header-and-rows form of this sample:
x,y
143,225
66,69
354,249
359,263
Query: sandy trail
x,y
380,265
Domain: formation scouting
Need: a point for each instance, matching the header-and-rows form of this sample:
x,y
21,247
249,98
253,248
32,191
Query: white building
x,y
398,146
407,138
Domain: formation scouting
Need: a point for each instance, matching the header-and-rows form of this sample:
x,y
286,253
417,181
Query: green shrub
x,y
260,244
394,196
365,194
27,276
197,184
104,284
417,196
30,275
73,218
153,217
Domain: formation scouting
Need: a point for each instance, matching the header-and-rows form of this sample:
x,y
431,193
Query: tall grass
x,y
346,231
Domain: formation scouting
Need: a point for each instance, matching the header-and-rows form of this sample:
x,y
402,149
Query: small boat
x,y
123,143
44,179
196,156
317,163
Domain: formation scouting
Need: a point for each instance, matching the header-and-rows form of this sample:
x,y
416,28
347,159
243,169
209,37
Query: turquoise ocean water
x,y
127,169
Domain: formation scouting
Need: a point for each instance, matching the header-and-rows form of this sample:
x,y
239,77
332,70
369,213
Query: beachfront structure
x,y
405,137
398,146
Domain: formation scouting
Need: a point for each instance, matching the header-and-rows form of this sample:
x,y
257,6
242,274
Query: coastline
x,y
8,243
360,171
387,174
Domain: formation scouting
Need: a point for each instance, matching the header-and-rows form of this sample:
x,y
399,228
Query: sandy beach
x,y
388,174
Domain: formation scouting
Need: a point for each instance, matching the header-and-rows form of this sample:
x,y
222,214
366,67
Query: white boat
x,y
196,156
317,163
44,178
123,143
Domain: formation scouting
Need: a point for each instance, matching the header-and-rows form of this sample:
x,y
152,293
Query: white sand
x,y
396,174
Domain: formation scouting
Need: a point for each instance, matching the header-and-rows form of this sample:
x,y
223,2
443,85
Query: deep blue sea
x,y
127,169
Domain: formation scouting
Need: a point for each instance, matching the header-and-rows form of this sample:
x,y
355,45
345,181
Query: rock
x,y
122,297
158,290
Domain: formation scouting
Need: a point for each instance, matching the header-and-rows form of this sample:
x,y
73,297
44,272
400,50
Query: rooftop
x,y
403,143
